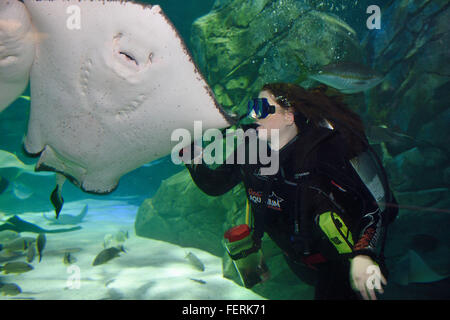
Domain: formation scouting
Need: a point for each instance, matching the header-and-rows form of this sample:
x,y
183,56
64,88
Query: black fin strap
x,y
255,247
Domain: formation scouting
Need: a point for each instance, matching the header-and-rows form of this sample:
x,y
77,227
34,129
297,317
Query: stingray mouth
x,y
131,60
129,57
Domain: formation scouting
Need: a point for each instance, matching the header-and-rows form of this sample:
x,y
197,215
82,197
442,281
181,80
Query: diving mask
x,y
259,108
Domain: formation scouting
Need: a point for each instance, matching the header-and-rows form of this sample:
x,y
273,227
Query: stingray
x,y
412,269
17,50
109,83
18,225
67,218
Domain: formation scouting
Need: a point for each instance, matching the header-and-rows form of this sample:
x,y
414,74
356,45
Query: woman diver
x,y
326,220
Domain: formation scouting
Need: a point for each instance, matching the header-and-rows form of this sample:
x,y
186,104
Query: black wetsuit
x,y
300,191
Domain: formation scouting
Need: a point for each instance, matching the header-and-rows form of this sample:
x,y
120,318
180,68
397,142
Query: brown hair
x,y
315,105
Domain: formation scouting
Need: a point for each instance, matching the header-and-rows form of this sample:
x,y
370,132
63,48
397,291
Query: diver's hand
x,y
366,277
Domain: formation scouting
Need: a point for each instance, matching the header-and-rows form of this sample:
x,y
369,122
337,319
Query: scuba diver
x,y
321,208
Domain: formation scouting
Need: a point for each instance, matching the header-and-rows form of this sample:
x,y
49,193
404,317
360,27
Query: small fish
x,y
194,261
27,98
115,240
332,19
121,236
10,160
107,254
8,235
21,191
6,256
69,259
381,133
348,77
19,244
31,253
40,244
198,280
107,283
16,267
9,289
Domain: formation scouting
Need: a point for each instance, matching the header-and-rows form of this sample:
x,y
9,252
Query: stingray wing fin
x,y
17,49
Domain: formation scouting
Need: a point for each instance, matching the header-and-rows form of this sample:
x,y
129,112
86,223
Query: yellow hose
x,y
247,214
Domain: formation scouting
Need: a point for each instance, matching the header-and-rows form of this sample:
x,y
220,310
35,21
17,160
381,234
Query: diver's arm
x,y
367,225
366,218
214,182
367,273
370,229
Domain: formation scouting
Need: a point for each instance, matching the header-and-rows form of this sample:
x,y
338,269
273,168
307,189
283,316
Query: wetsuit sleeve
x,y
367,217
371,231
215,182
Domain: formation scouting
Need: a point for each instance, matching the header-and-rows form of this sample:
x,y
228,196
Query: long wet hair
x,y
312,106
